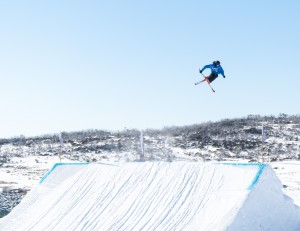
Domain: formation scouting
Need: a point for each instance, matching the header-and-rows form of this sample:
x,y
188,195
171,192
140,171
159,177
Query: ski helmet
x,y
217,63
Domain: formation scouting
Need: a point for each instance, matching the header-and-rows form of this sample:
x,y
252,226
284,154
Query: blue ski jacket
x,y
214,69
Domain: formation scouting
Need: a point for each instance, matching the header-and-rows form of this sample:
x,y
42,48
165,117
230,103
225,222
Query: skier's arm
x,y
222,72
206,66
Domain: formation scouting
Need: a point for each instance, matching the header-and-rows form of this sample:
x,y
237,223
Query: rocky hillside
x,y
230,138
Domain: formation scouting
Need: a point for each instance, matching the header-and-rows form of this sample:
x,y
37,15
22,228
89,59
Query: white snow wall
x,y
156,196
267,208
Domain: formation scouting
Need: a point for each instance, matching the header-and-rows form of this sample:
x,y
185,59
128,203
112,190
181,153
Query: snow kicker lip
x,y
260,166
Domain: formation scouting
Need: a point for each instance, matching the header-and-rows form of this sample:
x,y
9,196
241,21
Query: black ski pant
x,y
212,77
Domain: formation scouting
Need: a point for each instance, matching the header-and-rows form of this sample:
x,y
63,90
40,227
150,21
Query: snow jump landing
x,y
156,196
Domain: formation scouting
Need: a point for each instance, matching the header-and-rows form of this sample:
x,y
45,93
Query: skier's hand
x,y
200,71
224,76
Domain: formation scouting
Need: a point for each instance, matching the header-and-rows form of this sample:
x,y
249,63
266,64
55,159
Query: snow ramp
x,y
156,196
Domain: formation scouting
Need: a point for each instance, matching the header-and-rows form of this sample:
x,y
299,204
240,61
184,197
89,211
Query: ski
x,y
211,87
205,79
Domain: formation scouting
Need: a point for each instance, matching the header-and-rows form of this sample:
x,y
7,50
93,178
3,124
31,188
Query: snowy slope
x,y
267,208
289,174
156,196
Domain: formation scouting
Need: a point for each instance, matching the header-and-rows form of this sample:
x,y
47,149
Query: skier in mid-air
x,y
215,68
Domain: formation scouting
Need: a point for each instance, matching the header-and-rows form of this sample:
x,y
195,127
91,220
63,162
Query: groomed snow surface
x,y
156,196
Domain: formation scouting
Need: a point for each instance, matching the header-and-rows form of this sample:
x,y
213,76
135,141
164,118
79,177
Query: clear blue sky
x,y
77,65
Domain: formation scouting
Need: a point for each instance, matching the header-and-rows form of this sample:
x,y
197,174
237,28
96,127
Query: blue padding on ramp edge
x,y
56,165
260,166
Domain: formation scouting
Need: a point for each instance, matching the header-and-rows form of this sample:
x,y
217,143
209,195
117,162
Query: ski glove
x,y
224,76
200,71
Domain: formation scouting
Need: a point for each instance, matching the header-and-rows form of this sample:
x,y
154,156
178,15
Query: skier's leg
x,y
212,77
